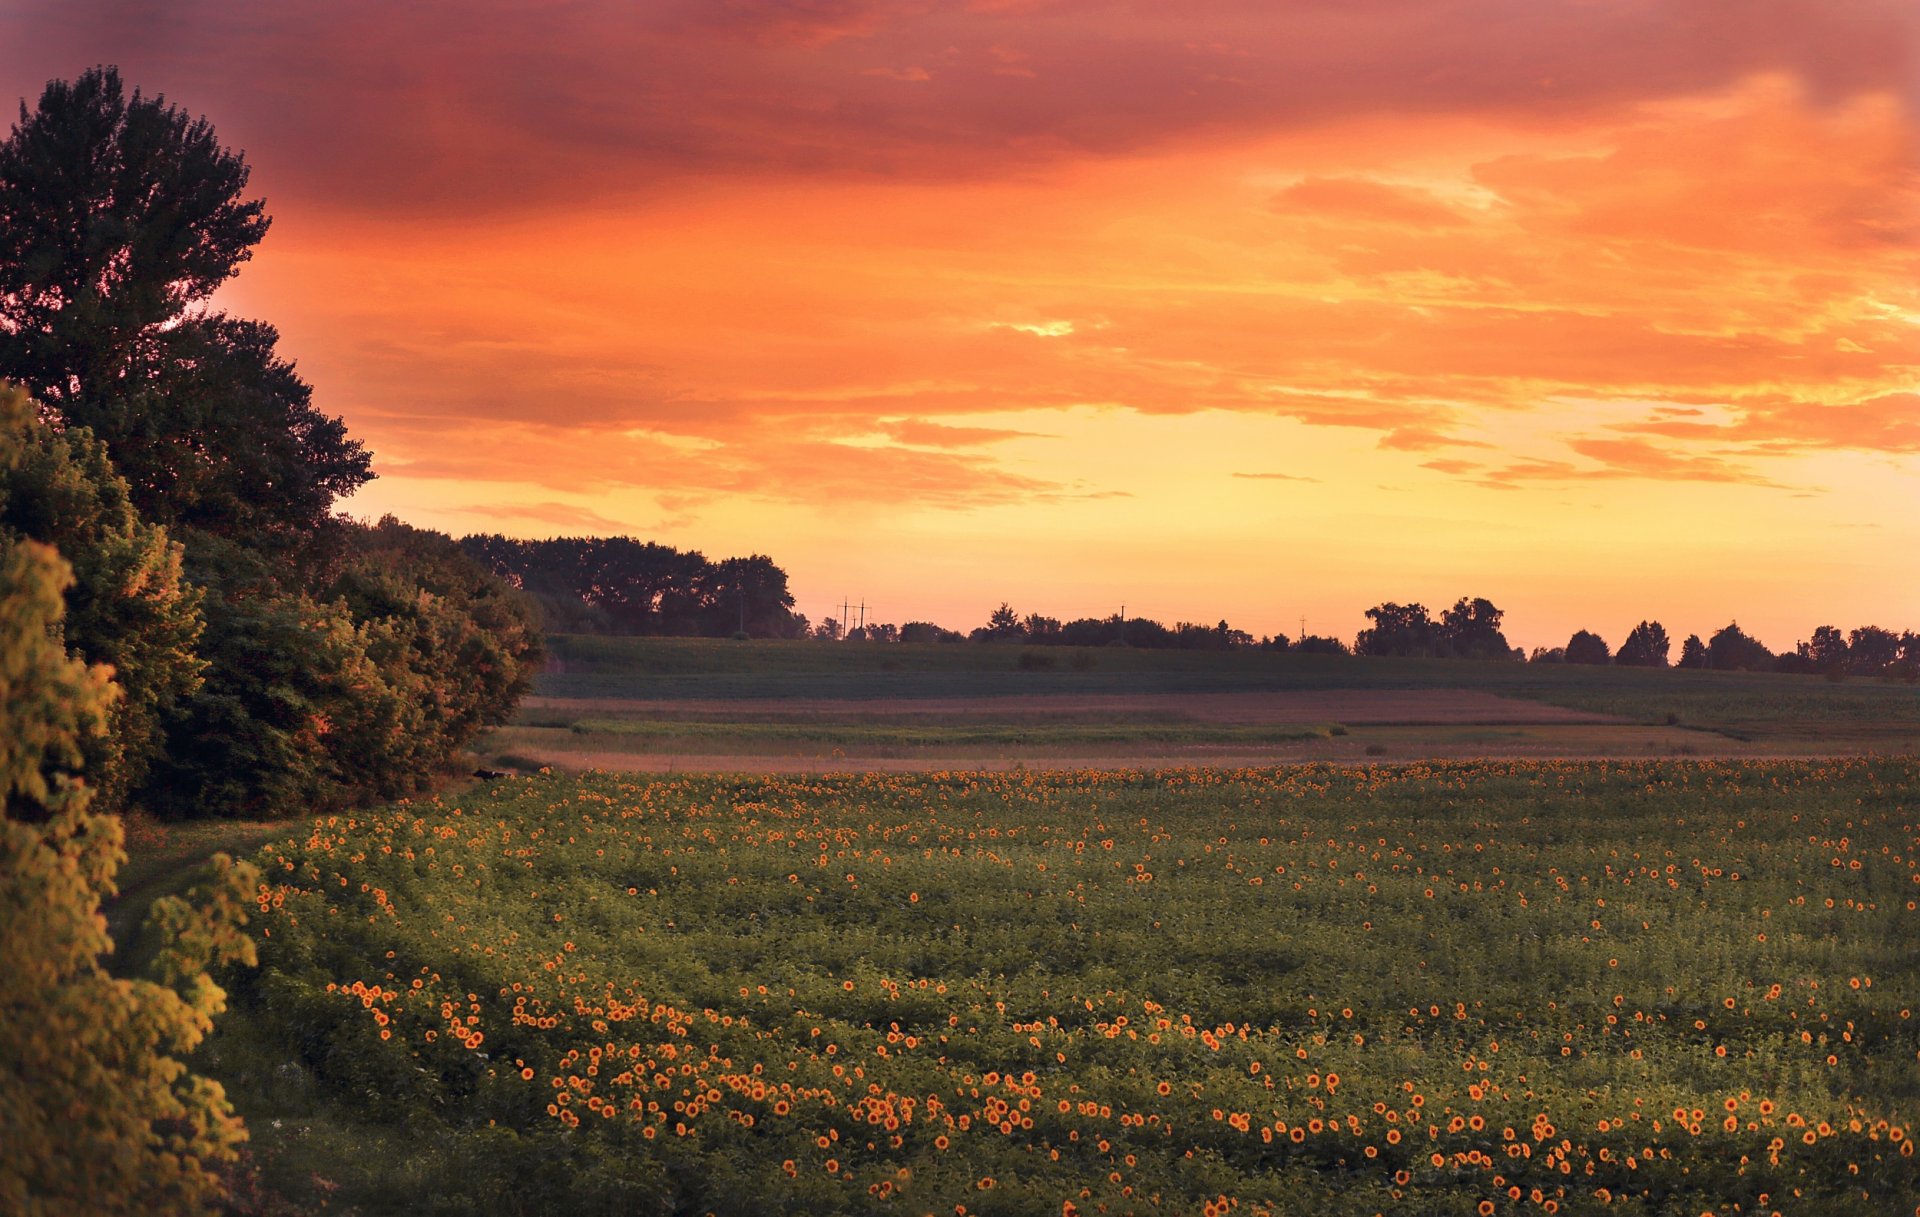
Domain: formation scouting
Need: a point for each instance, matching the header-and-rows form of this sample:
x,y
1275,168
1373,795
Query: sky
x,y
1247,309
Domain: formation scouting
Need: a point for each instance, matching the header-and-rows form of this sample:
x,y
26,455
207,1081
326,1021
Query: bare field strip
x,y
1355,707
1395,746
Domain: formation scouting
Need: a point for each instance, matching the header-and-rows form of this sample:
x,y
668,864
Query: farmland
x,y
1649,987
655,704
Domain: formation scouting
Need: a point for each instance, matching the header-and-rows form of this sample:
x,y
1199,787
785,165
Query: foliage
x,y
367,689
1732,649
1588,648
620,585
1314,990
97,1113
289,683
1397,629
456,646
1646,647
127,608
223,437
116,215
118,218
1468,630
1471,630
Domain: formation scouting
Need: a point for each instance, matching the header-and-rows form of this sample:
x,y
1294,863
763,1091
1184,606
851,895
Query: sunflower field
x,y
1648,988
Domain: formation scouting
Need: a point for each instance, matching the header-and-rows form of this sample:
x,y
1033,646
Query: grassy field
x,y
605,699
1654,988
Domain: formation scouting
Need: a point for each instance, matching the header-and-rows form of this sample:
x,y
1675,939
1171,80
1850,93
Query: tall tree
x,y
1646,646
118,218
117,215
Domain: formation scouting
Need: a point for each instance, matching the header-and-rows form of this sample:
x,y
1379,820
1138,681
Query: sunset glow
x,y
1238,309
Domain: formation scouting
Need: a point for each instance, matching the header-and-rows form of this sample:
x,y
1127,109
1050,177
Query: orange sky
x,y
1604,310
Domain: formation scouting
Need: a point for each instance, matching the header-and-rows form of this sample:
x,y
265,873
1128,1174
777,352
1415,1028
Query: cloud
x,y
1888,422
565,515
495,106
1617,459
1422,439
1276,477
922,434
1366,201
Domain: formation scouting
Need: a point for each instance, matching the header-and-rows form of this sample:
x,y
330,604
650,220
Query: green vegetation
x,y
128,606
1755,705
596,732
97,1112
1656,987
273,658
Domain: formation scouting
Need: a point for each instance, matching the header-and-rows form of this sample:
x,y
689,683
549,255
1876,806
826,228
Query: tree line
x,y
619,585
1868,650
186,628
1470,629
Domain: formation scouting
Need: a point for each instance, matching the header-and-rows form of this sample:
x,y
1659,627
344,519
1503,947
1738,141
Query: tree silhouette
x,y
1471,630
1732,649
1646,647
1397,629
119,216
1588,648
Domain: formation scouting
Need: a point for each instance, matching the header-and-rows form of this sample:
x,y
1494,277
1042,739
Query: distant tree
x,y
1397,629
922,631
128,606
102,1114
1872,651
1548,655
828,629
1588,648
1004,625
1471,630
746,595
1908,665
1317,644
1646,647
1732,649
1693,652
1826,651
884,633
1040,629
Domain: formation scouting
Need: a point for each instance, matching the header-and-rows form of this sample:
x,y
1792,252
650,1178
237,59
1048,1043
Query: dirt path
x,y
1374,707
